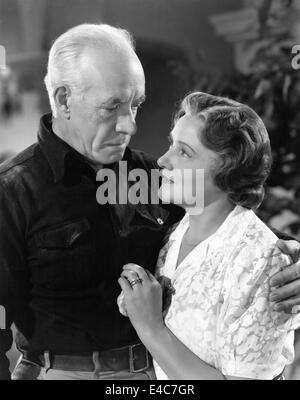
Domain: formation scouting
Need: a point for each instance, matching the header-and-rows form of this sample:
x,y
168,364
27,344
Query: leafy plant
x,y
272,89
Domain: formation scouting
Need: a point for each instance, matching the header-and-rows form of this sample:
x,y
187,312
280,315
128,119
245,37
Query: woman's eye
x,y
184,154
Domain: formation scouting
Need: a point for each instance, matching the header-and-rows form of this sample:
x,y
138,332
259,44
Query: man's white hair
x,y
66,51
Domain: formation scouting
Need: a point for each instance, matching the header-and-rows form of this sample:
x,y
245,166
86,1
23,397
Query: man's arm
x,y
285,285
12,267
281,235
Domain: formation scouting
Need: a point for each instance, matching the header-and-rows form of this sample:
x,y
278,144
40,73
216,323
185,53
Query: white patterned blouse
x,y
220,309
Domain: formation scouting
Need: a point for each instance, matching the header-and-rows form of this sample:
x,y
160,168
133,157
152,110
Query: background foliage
x,y
272,88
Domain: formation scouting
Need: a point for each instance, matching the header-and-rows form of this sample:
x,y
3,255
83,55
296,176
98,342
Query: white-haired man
x,y
61,253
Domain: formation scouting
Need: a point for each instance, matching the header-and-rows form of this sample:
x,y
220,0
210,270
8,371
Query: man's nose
x,y
126,125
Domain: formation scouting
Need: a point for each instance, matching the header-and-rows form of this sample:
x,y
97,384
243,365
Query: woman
x,y
220,324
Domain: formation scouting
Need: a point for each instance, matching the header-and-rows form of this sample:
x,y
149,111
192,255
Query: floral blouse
x,y
220,309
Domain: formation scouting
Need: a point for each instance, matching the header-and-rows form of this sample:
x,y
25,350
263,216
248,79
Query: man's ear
x,y
62,97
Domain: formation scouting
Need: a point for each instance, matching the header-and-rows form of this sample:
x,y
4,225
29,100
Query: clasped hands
x,y
142,294
141,299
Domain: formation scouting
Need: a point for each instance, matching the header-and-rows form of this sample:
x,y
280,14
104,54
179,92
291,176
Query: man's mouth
x,y
119,144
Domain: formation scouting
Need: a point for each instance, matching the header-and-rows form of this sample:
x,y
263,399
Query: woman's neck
x,y
206,223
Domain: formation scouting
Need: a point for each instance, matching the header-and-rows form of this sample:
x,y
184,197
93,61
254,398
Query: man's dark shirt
x,y
61,253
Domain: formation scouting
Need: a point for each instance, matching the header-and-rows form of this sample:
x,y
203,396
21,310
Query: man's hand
x,y
285,285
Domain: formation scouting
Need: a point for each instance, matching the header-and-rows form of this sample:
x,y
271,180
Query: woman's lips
x,y
166,178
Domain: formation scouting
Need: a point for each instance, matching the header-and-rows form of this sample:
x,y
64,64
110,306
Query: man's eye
x,y
112,108
136,107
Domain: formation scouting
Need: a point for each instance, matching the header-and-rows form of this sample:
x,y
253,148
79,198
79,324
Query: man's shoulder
x,y
15,166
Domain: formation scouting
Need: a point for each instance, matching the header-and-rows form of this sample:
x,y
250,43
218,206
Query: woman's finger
x,y
130,275
150,276
138,270
125,286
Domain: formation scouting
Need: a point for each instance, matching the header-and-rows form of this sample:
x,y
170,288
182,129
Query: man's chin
x,y
110,158
115,157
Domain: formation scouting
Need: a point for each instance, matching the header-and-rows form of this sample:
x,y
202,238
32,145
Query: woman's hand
x,y
143,299
121,304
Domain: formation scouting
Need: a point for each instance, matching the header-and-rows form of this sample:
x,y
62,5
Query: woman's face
x,y
181,183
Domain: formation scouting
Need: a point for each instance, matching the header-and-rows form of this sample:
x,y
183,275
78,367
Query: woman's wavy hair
x,y
240,139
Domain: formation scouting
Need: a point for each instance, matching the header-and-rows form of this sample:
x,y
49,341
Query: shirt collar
x,y
57,151
53,147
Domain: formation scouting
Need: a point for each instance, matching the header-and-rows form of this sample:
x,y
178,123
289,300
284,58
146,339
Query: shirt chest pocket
x,y
62,256
63,236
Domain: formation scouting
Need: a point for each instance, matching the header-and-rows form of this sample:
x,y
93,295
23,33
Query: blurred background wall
x,y
238,48
166,32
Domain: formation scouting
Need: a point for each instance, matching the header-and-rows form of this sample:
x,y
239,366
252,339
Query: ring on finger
x,y
135,281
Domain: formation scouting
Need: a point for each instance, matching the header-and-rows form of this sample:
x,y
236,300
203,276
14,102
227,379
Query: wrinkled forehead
x,y
112,71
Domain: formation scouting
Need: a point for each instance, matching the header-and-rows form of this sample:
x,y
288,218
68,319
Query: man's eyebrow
x,y
115,100
111,100
141,99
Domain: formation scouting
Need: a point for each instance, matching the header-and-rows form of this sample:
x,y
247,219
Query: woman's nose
x,y
164,161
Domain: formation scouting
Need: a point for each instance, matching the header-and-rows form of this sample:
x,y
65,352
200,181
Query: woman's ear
x,y
62,97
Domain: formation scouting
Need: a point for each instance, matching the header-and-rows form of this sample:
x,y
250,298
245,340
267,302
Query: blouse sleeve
x,y
253,340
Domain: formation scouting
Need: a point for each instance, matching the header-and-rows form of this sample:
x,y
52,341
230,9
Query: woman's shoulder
x,y
258,232
255,255
253,234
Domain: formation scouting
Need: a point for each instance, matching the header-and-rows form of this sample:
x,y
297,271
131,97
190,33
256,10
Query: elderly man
x,y
61,252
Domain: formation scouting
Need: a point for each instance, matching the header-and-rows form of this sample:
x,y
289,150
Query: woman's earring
x,y
68,113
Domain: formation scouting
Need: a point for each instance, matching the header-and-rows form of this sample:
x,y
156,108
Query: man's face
x,y
102,121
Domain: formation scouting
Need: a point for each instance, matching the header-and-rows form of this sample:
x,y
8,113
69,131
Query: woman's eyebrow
x,y
171,140
187,145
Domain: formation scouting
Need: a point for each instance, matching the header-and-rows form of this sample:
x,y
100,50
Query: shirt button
x,y
160,221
